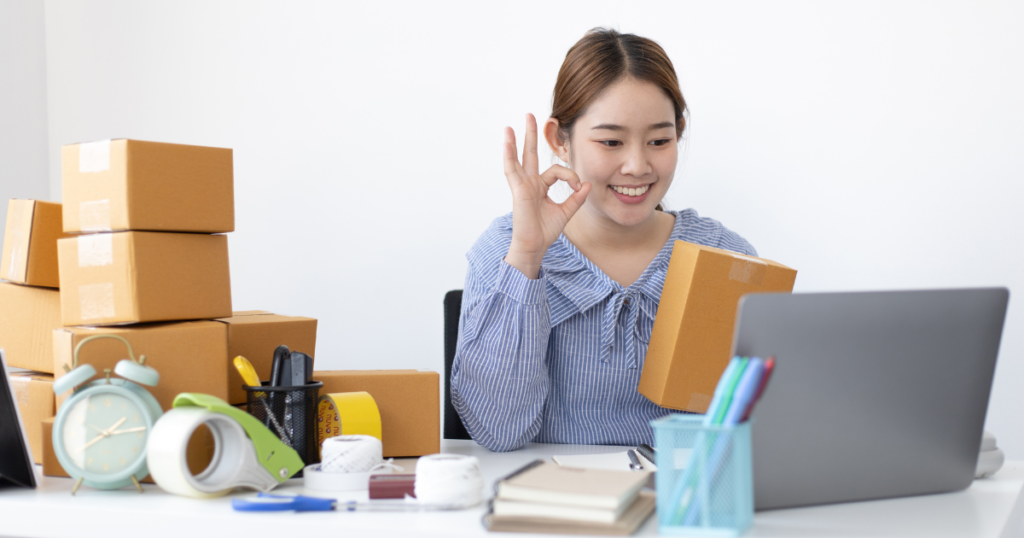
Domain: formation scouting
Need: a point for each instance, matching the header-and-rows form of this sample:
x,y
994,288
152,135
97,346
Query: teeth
x,y
632,192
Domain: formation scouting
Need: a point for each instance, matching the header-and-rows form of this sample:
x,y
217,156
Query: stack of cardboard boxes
x,y
137,250
30,308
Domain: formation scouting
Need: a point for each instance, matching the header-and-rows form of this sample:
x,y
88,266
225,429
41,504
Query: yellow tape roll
x,y
347,413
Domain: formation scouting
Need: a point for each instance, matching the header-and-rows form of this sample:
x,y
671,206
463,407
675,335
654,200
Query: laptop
x,y
874,394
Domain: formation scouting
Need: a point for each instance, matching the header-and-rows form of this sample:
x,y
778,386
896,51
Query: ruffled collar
x,y
576,285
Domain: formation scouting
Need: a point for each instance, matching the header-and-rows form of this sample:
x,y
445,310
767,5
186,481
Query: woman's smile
x,y
630,194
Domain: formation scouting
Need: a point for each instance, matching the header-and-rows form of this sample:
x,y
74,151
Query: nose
x,y
636,163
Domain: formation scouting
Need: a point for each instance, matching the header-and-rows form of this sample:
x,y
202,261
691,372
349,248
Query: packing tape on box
x,y
347,413
94,156
747,270
246,453
95,250
94,216
19,240
96,301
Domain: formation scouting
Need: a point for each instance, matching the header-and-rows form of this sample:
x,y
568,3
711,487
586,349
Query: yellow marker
x,y
247,372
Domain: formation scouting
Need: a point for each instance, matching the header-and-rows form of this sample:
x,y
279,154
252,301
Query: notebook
x,y
570,486
503,507
627,524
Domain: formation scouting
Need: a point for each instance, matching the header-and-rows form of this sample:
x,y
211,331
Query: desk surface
x,y
981,510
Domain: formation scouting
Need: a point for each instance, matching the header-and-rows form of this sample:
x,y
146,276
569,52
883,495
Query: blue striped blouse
x,y
558,359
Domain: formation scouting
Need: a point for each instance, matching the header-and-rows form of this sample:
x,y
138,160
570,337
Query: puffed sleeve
x,y
499,378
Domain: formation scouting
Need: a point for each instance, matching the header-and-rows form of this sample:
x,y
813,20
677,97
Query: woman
x,y
560,299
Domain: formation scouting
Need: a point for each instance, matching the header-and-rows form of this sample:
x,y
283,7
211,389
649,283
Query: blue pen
x,y
745,391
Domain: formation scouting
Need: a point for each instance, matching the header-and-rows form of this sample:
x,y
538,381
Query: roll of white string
x,y
449,479
351,454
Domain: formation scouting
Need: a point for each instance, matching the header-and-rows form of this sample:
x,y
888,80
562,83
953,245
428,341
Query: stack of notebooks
x,y
544,497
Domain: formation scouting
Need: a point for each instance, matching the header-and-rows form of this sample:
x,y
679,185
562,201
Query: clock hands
x,y
129,430
103,434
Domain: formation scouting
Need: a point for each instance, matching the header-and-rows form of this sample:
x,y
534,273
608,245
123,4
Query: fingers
x,y
512,168
574,202
530,146
556,172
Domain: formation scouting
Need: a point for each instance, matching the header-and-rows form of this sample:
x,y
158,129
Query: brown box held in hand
x,y
132,277
30,243
28,316
693,330
409,404
191,356
34,393
254,334
199,452
115,185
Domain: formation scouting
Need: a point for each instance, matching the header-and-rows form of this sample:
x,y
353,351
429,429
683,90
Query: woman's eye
x,y
611,143
660,141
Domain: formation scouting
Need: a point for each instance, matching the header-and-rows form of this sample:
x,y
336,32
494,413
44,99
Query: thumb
x,y
574,202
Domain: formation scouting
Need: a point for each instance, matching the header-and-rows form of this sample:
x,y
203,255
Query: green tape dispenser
x,y
246,453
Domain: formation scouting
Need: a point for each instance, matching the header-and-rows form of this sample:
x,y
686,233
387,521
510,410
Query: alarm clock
x,y
100,432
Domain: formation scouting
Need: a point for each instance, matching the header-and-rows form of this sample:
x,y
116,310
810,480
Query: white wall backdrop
x,y
871,145
23,138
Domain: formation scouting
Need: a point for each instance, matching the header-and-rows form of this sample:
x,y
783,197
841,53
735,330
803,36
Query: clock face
x,y
105,433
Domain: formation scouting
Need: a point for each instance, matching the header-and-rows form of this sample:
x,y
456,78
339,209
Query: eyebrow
x,y
613,127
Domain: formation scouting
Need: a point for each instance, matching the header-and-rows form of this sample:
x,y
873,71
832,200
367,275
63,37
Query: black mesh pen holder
x,y
289,412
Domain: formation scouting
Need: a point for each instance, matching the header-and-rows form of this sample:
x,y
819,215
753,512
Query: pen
x,y
265,502
634,461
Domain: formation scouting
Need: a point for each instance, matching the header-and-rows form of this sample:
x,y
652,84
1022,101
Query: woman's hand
x,y
537,221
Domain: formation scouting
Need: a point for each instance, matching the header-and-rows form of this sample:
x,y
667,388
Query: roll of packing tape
x,y
234,461
347,413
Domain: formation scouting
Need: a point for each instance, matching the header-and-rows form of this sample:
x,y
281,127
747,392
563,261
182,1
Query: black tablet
x,y
15,458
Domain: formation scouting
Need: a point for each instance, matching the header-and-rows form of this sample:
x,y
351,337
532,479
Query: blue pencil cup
x,y
704,480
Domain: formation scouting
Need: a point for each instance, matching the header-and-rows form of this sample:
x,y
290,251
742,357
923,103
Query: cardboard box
x,y
30,243
692,336
254,334
132,277
190,356
34,393
199,453
133,185
409,404
28,316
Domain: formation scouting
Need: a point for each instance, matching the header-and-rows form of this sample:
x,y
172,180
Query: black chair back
x,y
453,427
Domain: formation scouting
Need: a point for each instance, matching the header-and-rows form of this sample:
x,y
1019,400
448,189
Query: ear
x,y
558,147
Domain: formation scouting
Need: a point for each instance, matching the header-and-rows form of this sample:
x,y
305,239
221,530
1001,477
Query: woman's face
x,y
625,146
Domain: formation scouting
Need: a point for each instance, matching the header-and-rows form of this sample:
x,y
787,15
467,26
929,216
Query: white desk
x,y
982,510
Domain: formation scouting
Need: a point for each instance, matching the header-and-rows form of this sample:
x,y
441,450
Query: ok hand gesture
x,y
537,221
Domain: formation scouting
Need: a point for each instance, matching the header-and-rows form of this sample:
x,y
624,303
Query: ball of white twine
x,y
449,479
351,454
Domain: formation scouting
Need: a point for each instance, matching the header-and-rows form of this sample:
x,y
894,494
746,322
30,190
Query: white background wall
x,y
871,145
23,139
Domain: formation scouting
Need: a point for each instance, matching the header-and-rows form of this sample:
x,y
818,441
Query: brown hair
x,y
601,58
